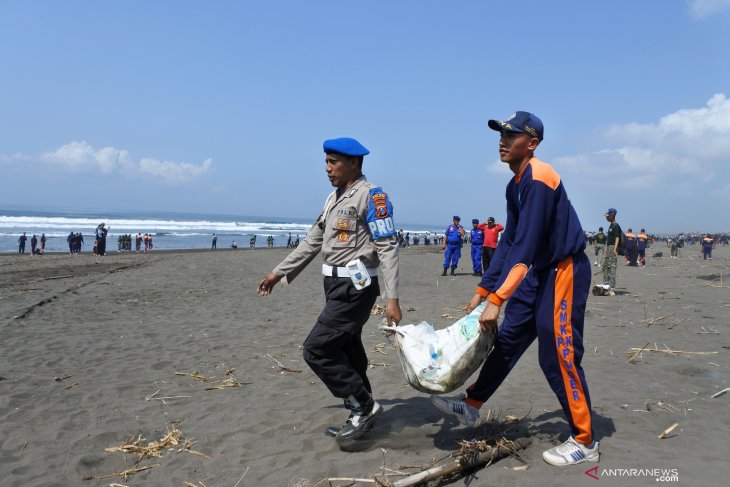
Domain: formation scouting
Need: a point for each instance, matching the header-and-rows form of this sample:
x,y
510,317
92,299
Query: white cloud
x,y
690,143
80,156
704,8
177,172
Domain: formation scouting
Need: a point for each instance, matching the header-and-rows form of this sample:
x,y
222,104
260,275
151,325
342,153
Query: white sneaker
x,y
466,414
571,453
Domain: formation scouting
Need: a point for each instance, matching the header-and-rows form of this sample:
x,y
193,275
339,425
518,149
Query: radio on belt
x,y
358,274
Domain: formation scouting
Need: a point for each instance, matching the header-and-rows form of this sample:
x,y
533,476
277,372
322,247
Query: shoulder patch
x,y
380,215
544,173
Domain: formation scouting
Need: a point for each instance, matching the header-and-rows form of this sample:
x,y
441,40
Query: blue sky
x,y
222,107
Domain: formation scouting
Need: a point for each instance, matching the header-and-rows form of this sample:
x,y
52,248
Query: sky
x,y
222,107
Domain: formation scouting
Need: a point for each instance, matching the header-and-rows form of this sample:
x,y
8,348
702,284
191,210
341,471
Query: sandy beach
x,y
98,351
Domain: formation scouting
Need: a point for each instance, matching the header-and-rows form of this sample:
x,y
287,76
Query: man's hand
x,y
267,283
489,317
475,301
393,313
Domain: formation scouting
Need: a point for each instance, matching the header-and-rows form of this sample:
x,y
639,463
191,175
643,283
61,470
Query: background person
x,y
452,245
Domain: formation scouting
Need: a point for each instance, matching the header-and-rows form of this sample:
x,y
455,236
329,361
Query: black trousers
x,y
334,349
487,254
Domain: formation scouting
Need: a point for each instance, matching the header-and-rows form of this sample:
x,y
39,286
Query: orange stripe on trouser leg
x,y
470,400
563,308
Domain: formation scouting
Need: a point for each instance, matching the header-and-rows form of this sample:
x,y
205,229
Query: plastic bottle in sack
x,y
469,327
436,359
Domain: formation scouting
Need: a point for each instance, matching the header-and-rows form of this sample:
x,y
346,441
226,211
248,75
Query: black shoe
x,y
444,273
452,272
333,430
361,420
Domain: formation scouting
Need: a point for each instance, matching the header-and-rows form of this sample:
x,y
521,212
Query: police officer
x,y
477,240
452,245
356,234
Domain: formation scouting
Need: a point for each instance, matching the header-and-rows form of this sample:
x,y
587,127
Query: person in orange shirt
x,y
491,235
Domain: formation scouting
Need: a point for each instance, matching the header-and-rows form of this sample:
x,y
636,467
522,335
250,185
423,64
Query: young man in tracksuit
x,y
541,272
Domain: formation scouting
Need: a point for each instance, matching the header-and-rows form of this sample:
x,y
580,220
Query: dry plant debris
x,y
194,374
156,448
282,367
380,348
633,352
124,473
377,310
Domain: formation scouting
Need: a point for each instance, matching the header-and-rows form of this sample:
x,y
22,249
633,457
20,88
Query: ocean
x,y
169,230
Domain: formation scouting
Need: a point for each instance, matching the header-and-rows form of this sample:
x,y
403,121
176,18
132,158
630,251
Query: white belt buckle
x,y
358,274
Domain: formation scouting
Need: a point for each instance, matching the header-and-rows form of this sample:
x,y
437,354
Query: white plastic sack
x,y
440,361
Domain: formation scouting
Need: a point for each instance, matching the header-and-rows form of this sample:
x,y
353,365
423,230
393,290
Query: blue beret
x,y
456,218
475,220
346,146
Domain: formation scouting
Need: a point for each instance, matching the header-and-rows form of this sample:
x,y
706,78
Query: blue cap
x,y
611,211
523,122
456,218
475,220
346,146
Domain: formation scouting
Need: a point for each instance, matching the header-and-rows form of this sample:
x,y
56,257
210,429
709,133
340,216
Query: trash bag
x,y
440,361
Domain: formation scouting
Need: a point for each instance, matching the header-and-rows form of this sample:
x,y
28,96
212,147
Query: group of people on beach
x,y
34,248
141,242
539,274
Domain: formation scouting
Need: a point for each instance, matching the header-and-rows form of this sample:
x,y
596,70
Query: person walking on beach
x,y
33,244
214,244
541,271
707,243
610,260
631,248
642,242
101,232
599,247
477,242
21,243
356,234
452,245
43,243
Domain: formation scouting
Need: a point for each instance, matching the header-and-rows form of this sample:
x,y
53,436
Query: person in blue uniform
x,y
542,273
631,248
707,243
452,245
477,240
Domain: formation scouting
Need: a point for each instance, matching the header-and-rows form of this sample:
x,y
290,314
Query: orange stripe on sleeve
x,y
544,173
482,292
514,278
563,309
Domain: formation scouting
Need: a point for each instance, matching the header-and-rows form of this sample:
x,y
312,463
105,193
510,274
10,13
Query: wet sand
x,y
91,346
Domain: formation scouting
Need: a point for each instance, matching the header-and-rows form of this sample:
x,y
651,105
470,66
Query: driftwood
x,y
465,463
667,431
